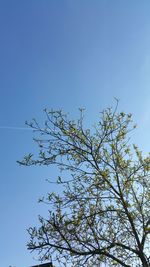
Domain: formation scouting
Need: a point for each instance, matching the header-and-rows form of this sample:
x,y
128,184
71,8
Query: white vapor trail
x,y
14,128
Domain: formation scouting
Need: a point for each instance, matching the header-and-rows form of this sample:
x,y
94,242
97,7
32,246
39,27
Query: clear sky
x,y
63,54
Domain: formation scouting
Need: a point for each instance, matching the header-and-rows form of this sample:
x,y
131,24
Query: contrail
x,y
14,128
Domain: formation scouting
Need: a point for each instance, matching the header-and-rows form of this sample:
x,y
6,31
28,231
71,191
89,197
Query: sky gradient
x,y
63,54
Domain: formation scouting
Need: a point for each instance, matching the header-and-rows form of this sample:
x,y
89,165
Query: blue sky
x,y
63,54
